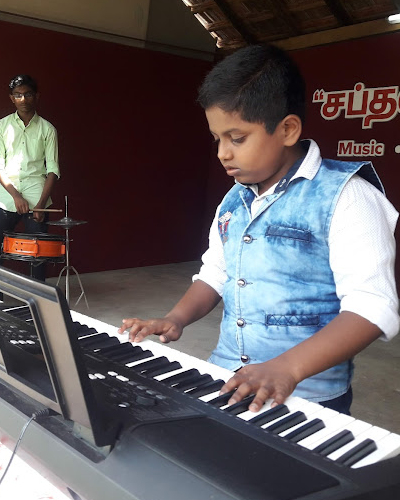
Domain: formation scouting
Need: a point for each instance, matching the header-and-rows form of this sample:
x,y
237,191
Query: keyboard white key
x,y
209,397
356,427
313,412
374,433
293,404
247,415
332,426
388,447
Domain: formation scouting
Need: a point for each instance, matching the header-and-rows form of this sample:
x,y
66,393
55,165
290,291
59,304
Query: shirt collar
x,y
34,118
308,168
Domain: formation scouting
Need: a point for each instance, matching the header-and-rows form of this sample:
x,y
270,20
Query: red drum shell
x,y
41,246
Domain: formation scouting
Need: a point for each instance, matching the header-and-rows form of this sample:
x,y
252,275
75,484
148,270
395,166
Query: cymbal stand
x,y
68,268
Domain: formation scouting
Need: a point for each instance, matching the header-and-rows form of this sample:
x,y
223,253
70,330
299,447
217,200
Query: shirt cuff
x,y
210,280
52,167
376,310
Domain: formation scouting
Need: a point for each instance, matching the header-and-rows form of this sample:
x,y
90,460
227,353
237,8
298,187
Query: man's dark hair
x,y
22,80
261,82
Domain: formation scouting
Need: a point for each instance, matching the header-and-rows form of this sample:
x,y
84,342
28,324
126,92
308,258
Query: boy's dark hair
x,y
22,80
260,82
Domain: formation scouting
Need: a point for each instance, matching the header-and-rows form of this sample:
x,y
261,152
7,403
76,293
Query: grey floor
x,y
148,292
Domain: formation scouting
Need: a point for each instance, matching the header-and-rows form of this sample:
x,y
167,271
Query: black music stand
x,y
67,223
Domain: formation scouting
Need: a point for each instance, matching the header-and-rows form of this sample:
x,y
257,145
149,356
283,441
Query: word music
x,y
352,148
379,104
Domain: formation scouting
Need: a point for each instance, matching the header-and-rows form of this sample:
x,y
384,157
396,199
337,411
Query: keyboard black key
x,y
160,370
306,430
179,377
221,400
195,381
287,422
103,342
117,348
241,406
83,330
112,342
357,453
152,363
334,443
163,362
208,388
131,357
270,415
118,354
92,339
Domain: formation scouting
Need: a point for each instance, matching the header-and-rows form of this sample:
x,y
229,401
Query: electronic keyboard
x,y
179,440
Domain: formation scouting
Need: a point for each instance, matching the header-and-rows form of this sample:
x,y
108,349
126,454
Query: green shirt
x,y
27,155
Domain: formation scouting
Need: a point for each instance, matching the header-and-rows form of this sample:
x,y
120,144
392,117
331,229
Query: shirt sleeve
x,y
213,270
362,255
2,153
51,152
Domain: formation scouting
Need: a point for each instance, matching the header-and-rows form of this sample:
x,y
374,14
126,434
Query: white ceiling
x,y
156,24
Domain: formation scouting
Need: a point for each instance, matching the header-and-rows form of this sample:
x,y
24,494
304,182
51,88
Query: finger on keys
x,y
133,326
127,324
259,400
139,329
270,379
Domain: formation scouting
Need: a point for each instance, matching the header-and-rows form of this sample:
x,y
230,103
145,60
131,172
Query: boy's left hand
x,y
271,379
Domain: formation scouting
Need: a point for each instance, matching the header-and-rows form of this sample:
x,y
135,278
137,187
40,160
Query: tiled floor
x,y
151,291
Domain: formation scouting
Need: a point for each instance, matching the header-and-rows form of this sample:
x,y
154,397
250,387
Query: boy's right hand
x,y
139,329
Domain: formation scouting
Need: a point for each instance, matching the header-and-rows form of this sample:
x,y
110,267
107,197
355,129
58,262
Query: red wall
x,y
134,148
340,66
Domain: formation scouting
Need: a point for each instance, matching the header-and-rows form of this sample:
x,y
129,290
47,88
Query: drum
x,y
33,247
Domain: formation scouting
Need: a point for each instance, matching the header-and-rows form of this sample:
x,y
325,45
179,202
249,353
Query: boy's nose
x,y
224,152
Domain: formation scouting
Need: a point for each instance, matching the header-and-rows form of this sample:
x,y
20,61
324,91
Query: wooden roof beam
x,y
236,22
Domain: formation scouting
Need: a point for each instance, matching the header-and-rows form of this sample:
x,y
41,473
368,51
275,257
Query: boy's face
x,y
24,99
247,151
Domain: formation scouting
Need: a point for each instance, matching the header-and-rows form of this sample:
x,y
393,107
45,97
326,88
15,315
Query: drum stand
x,y
68,268
66,222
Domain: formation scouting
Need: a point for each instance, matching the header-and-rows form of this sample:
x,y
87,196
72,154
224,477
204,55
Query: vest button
x,y
242,282
245,358
247,238
240,322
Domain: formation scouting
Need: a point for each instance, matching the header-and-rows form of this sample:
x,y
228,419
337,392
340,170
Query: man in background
x,y
28,164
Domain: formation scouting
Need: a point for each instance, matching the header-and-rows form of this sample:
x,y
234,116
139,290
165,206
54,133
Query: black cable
x,y
39,414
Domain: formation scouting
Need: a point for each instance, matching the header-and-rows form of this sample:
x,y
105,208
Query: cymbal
x,y
66,222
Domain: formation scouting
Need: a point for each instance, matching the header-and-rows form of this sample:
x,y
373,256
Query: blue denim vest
x,y
280,289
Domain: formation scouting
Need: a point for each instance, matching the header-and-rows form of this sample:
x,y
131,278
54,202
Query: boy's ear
x,y
292,129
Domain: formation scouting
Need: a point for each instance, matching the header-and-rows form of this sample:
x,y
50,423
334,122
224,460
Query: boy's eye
x,y
238,140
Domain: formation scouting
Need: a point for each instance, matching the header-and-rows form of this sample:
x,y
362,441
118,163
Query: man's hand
x,y
271,379
139,329
21,205
38,216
